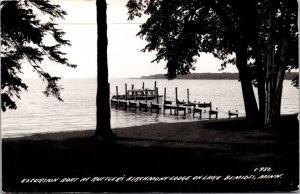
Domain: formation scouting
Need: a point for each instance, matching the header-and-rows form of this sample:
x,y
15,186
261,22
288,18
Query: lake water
x,y
38,114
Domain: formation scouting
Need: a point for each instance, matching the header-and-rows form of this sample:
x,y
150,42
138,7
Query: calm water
x,y
38,114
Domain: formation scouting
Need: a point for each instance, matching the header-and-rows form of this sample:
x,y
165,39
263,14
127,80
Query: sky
x,y
125,58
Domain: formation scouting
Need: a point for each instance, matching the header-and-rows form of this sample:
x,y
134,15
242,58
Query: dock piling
x,y
233,114
132,104
165,93
199,110
176,95
146,95
155,105
117,93
188,96
126,91
156,90
213,112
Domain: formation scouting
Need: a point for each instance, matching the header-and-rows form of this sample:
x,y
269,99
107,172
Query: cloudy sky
x,y
124,56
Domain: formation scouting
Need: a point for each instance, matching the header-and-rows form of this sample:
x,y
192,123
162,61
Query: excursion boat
x,y
139,94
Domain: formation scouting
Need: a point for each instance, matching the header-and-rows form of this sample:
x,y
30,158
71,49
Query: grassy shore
x,y
190,151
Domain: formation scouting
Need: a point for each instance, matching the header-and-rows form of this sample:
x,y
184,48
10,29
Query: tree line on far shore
x,y
222,76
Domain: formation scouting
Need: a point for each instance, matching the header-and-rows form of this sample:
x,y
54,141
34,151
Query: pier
x,y
145,100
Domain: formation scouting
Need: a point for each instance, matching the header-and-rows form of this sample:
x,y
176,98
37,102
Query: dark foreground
x,y
214,156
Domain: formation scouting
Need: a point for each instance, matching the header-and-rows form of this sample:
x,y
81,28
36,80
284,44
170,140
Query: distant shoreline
x,y
210,76
192,76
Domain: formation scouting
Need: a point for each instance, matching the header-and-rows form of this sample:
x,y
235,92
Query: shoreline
x,y
216,147
89,131
161,130
78,132
184,120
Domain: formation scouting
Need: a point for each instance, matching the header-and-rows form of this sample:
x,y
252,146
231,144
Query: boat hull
x,y
140,98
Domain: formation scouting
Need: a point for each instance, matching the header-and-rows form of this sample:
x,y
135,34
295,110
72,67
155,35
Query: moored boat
x,y
138,94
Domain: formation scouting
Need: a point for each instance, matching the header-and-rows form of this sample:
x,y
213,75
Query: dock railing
x,y
175,106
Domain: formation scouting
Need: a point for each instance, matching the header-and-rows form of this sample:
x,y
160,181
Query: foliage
x,y
260,37
23,36
284,27
180,30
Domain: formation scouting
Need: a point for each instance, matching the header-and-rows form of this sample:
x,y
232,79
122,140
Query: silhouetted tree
x,y
103,128
23,36
232,30
281,53
179,30
274,51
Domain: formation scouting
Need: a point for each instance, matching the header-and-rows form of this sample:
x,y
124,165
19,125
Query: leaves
x,y
181,29
22,35
6,102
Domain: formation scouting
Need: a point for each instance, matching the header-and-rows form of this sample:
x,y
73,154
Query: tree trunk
x,y
276,64
247,89
278,84
261,88
103,128
269,92
270,70
278,107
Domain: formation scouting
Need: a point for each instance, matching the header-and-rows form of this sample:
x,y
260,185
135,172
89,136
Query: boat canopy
x,y
141,92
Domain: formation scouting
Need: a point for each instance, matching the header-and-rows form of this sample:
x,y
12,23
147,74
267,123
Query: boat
x,y
138,94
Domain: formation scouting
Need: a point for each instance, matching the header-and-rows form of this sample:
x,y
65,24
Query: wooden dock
x,y
175,107
236,114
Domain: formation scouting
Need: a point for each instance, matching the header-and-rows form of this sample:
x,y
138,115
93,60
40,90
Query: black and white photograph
x,y
139,96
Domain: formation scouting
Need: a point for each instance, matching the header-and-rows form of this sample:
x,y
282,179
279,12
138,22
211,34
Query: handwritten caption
x,y
152,178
